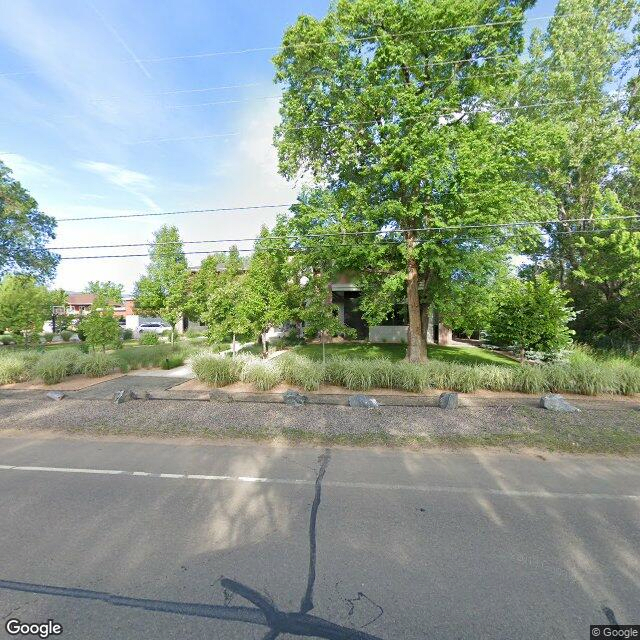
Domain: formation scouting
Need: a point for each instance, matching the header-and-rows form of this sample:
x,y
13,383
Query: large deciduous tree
x,y
589,144
24,231
398,113
163,291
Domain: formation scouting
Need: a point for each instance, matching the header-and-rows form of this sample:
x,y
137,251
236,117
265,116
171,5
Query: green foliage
x,y
580,373
101,328
263,374
149,338
48,336
147,356
24,231
54,366
368,120
589,150
14,367
96,365
216,370
172,362
66,335
301,372
127,334
106,292
164,290
24,305
531,315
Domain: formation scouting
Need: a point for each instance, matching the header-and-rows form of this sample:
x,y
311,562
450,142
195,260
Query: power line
x,y
338,234
175,213
454,28
462,111
303,45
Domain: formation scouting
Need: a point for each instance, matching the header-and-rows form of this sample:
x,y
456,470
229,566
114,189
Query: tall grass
x,y
301,372
143,357
14,367
263,374
581,372
216,370
54,366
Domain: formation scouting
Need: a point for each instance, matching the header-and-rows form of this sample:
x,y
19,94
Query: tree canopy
x,y
163,291
24,231
24,305
406,129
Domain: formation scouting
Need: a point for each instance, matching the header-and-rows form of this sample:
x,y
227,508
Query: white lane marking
x,y
421,488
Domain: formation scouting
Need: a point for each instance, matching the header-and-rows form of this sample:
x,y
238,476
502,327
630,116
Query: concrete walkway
x,y
185,371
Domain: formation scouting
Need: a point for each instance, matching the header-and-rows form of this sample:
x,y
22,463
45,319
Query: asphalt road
x,y
170,540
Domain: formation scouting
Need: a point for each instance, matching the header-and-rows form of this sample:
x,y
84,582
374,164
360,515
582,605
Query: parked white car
x,y
152,327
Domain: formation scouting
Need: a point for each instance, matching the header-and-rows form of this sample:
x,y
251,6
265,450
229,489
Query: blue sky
x,y
86,101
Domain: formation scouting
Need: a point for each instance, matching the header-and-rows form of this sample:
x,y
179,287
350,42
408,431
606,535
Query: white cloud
x,y
26,170
134,182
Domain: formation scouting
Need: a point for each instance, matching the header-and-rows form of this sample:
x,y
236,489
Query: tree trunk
x,y
416,347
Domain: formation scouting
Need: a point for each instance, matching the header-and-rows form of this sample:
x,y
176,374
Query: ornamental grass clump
x,y
54,366
263,374
216,370
301,372
357,374
97,364
14,367
409,377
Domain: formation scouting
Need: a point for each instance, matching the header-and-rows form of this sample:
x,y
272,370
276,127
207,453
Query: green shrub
x,y
7,339
149,338
409,377
172,362
301,372
131,357
127,334
215,370
97,364
54,366
48,337
66,335
263,374
14,367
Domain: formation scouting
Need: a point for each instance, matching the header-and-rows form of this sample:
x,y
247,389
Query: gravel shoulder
x,y
602,428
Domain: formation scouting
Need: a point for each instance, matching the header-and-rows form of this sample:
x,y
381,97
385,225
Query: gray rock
x,y
555,402
217,395
448,400
125,394
55,395
365,402
294,398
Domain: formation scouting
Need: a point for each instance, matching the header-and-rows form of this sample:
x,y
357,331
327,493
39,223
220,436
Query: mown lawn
x,y
395,352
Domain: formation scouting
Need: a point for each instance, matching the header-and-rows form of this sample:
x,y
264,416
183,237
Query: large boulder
x,y
555,402
362,401
448,400
294,398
